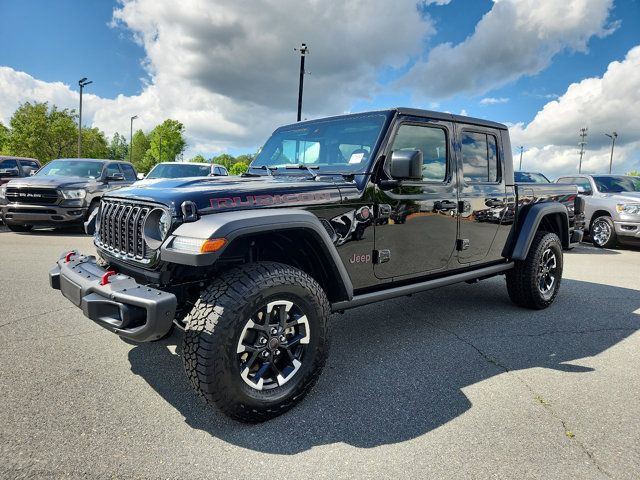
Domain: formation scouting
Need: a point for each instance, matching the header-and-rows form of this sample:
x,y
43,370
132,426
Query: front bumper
x,y
627,230
46,215
121,305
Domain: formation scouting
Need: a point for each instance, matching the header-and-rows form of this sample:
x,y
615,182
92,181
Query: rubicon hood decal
x,y
220,203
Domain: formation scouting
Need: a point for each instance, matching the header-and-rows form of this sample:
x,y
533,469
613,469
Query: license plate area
x,y
70,290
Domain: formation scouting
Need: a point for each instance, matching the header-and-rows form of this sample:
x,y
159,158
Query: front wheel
x,y
535,281
256,340
603,232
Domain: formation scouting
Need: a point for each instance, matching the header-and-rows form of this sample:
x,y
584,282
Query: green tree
x,y
94,143
166,143
4,136
139,148
41,132
198,159
226,160
246,158
634,173
118,148
238,168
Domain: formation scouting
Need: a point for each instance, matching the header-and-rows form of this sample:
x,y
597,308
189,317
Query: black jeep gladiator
x,y
333,214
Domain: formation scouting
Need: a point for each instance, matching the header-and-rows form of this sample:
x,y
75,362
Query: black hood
x,y
52,181
211,194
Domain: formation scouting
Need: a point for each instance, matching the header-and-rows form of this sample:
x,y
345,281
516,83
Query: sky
x,y
229,72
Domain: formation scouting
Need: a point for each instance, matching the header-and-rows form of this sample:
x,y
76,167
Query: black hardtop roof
x,y
413,112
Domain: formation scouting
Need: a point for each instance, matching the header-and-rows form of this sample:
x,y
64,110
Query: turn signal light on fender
x,y
212,245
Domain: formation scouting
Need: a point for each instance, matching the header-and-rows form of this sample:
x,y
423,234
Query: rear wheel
x,y
256,340
603,232
19,228
535,281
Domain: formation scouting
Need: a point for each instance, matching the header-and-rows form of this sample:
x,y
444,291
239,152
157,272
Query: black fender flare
x,y
239,223
528,226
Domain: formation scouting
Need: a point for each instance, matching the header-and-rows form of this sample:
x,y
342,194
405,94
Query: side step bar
x,y
366,298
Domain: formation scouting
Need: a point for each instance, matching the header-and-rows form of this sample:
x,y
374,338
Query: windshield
x,y
337,146
179,170
72,168
530,177
617,184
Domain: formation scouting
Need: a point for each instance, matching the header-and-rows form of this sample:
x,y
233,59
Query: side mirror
x,y
584,191
406,165
116,177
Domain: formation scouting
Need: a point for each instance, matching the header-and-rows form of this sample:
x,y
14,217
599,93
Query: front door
x,y
416,222
483,199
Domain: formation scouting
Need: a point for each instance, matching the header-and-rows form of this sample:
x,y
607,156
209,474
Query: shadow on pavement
x,y
397,369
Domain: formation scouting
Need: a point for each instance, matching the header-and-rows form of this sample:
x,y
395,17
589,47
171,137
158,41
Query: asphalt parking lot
x,y
452,383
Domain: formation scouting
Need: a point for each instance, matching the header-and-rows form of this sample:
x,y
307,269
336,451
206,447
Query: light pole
x,y
131,138
582,143
613,137
521,147
160,159
303,53
82,83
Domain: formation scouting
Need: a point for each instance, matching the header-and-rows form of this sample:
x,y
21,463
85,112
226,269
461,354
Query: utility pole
x,y
613,137
582,143
131,138
82,83
521,147
303,52
160,131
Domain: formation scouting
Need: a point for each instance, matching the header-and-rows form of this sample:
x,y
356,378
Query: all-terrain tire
x,y
525,283
20,228
603,232
217,323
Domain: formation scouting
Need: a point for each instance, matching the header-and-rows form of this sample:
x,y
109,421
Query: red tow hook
x,y
67,257
105,277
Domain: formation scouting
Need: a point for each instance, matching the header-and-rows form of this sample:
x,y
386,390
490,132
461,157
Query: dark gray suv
x,y
63,192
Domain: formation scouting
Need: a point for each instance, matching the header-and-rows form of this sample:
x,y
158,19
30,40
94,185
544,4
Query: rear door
x,y
483,199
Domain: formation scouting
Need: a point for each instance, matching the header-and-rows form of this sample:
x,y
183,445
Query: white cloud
x,y
603,104
227,69
493,101
515,38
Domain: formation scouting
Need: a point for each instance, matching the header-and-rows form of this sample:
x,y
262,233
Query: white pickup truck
x,y
612,207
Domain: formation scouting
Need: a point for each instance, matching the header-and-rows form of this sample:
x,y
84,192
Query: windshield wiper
x,y
302,166
267,168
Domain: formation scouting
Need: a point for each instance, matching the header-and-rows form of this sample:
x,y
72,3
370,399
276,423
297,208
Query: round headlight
x,y
156,227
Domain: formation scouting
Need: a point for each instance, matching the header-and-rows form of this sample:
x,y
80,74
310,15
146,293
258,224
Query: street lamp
x,y
303,52
82,83
131,138
613,137
521,147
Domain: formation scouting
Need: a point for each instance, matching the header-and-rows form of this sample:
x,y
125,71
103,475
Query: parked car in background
x,y
530,177
185,169
612,207
17,167
63,192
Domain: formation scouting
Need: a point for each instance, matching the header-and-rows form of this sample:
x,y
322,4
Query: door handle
x,y
494,202
444,205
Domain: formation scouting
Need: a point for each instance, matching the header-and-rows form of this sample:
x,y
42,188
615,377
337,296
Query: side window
x,y
9,168
583,182
112,169
129,172
480,158
432,142
223,171
217,171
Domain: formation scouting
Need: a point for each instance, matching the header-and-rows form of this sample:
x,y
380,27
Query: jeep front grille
x,y
36,196
120,231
